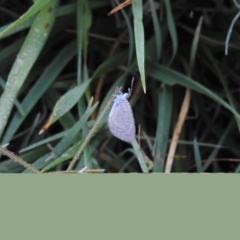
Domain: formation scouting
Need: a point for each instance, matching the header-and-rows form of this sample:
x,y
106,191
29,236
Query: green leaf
x,y
172,77
27,56
157,29
67,101
65,142
172,29
37,6
165,106
68,154
197,155
139,39
41,86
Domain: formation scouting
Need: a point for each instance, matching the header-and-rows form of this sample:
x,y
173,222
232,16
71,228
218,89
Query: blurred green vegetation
x,y
56,55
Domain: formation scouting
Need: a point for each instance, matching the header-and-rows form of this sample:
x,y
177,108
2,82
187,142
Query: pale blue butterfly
x,y
121,122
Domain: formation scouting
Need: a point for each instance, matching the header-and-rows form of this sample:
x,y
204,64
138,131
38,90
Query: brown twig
x,y
18,160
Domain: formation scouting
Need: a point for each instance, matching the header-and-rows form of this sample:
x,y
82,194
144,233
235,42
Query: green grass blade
x,y
172,29
68,100
130,34
26,58
68,154
45,141
37,6
41,86
218,71
195,45
16,102
157,30
30,132
165,106
65,142
220,142
172,77
139,40
197,155
230,31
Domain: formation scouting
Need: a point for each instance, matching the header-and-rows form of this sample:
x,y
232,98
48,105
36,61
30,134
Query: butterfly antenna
x,y
130,89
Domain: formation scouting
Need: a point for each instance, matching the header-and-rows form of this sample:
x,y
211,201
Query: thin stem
x,y
92,131
177,131
230,31
18,160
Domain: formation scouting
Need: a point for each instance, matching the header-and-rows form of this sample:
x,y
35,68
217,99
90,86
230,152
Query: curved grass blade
x,y
65,142
157,30
214,66
37,6
31,131
172,29
172,77
230,31
84,22
52,96
195,45
139,39
220,142
130,33
68,154
27,56
163,127
65,103
92,131
45,141
62,11
41,86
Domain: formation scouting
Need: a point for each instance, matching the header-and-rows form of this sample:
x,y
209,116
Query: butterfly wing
x,y
121,121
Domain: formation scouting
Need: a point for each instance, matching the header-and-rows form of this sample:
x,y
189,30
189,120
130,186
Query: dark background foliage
x,y
209,140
